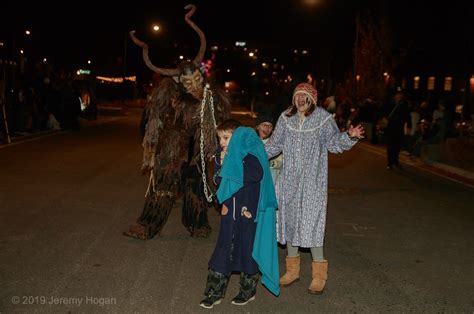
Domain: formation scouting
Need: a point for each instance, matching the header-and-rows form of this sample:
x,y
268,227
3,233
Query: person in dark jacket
x,y
397,113
233,250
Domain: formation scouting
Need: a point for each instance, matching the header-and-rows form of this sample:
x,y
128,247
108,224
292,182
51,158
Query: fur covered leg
x,y
155,214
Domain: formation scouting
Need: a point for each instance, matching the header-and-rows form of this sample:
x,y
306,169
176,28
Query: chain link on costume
x,y
207,94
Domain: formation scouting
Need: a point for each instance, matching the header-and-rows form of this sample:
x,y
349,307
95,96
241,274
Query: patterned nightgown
x,y
303,182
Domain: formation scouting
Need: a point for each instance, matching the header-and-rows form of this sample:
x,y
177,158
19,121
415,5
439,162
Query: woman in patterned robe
x,y
305,134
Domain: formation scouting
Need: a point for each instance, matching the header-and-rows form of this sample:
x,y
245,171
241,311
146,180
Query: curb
x,y
449,172
42,134
452,169
31,137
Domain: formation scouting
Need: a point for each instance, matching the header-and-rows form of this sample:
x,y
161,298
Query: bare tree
x,y
372,57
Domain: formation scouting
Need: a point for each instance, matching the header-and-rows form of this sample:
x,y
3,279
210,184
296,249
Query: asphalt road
x,y
396,241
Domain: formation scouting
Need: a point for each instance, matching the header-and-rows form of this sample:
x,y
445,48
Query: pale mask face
x,y
193,84
302,102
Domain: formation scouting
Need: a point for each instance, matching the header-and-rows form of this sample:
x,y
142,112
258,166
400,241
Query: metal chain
x,y
207,92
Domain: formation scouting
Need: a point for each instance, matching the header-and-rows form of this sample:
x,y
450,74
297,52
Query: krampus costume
x,y
180,137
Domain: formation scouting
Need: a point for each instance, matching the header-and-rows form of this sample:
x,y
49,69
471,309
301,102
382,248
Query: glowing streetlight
x,y
27,32
156,27
311,2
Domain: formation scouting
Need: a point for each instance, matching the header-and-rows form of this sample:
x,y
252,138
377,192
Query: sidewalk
x,y
28,137
457,174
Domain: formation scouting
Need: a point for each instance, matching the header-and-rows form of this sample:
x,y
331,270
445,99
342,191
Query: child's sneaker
x,y
210,301
242,299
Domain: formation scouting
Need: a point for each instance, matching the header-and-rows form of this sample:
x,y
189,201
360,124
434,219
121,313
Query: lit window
x,y
448,83
431,83
416,82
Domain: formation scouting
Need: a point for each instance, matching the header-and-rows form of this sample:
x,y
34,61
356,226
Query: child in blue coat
x,y
240,174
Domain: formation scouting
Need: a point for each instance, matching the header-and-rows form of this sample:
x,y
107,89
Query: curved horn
x,y
168,72
202,37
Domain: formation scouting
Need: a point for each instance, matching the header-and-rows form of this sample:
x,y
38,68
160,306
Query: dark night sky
x,y
76,31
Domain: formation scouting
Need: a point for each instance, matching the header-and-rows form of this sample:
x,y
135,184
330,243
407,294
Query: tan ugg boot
x,y
320,275
292,271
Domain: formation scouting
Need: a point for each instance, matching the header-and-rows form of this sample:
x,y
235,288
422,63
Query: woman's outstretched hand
x,y
356,132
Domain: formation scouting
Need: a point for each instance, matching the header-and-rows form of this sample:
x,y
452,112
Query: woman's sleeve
x,y
335,140
274,146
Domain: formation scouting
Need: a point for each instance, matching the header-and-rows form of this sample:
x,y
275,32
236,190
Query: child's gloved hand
x,y
246,213
224,210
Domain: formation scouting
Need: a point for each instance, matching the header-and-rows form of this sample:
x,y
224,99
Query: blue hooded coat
x,y
265,252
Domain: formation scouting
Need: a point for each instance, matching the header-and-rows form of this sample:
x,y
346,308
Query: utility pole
x,y
124,61
3,90
125,54
356,52
6,133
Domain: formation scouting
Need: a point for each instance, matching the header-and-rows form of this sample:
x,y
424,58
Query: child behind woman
x,y
247,236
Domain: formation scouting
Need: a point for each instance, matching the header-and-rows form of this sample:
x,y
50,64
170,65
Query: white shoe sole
x,y
251,299
210,306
